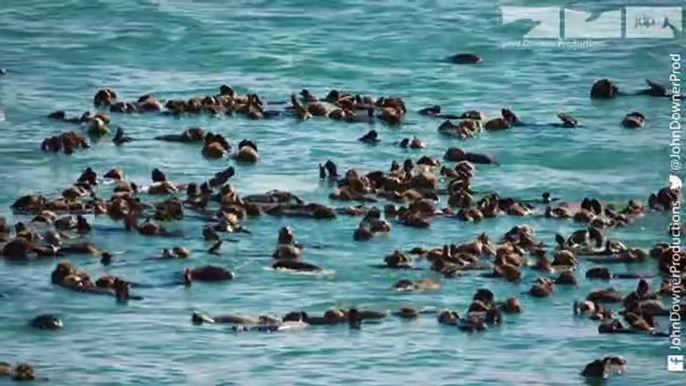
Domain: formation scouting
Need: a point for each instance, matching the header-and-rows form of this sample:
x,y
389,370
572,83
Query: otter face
x,y
599,273
286,236
408,313
566,278
633,121
404,285
484,295
478,306
23,372
295,316
512,305
104,97
46,322
397,259
362,233
181,252
595,369
247,154
564,258
448,317
643,287
198,319
213,150
334,316
604,89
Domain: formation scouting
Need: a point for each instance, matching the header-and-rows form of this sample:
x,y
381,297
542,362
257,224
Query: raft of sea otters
x,y
409,192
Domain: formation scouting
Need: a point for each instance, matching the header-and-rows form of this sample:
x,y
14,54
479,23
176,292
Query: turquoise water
x,y
57,56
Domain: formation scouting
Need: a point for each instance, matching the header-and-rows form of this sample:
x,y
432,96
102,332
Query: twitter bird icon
x,y
674,182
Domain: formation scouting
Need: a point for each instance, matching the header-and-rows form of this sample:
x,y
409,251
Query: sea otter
x,y
465,58
46,322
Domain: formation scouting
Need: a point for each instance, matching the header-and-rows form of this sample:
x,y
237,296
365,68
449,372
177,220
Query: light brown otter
x,y
543,287
425,284
247,154
104,97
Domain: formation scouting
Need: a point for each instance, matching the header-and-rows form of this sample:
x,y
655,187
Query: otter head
x,y
105,258
333,96
448,317
62,270
247,142
509,116
614,360
247,154
121,289
286,236
354,318
226,90
334,316
23,372
337,115
408,313
595,369
396,259
604,89
484,295
296,316
46,322
512,305
478,306
158,176
599,273
404,285
643,288
331,169
566,278
181,252
199,318
104,97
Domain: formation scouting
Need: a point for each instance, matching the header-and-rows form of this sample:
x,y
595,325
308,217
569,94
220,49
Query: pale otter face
x,y
404,285
448,317
334,316
513,304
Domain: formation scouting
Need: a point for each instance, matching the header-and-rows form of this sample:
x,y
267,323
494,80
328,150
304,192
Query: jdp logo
x,y
675,363
639,22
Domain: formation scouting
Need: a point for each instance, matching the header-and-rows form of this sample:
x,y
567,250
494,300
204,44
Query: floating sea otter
x,y
465,58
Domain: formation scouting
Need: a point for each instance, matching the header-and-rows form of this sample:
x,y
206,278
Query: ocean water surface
x,y
59,53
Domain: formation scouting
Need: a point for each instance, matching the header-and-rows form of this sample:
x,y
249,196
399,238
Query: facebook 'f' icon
x,y
675,363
